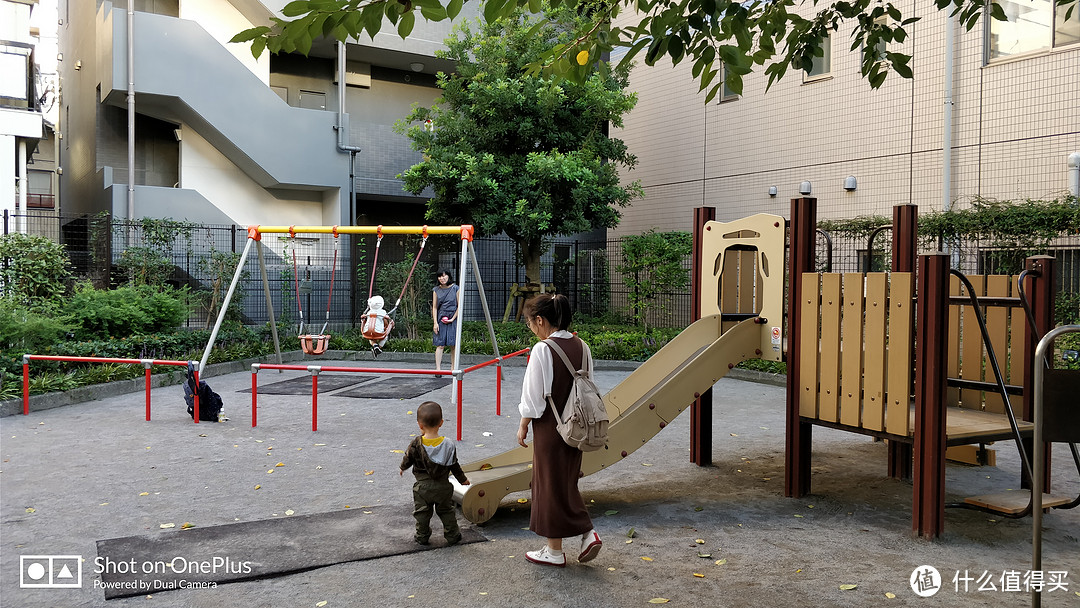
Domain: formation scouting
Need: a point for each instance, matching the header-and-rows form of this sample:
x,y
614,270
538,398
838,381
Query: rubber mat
x,y
302,385
200,557
399,387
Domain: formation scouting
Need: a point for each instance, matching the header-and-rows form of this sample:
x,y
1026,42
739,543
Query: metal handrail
x,y
1037,478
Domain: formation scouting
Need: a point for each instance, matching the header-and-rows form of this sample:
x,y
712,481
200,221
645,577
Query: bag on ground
x,y
584,420
210,403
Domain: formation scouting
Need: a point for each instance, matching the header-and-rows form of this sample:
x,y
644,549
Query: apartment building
x,y
1005,126
25,177
223,138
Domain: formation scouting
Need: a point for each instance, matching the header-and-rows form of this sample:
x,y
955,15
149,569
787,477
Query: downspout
x,y
341,135
947,136
24,186
131,116
1074,176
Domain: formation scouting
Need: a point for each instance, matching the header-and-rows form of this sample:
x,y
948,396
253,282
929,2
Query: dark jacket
x,y
433,462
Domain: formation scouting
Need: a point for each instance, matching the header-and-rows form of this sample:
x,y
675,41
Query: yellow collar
x,y
431,443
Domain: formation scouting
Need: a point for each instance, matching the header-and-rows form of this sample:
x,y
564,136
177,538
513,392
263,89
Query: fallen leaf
x,y
699,508
320,604
289,512
699,575
611,512
299,449
201,434
408,412
629,541
648,559
144,493
270,471
30,509
397,451
103,504
318,467
186,525
611,569
659,600
646,464
631,533
270,448
483,593
720,562
704,555
479,445
797,515
847,587
319,444
798,571
734,435
258,441
165,526
372,472
892,596
699,541
487,433
809,506
486,467
257,486
347,507
280,464
523,500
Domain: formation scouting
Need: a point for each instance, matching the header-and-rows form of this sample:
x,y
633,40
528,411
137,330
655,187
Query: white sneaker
x,y
590,546
546,557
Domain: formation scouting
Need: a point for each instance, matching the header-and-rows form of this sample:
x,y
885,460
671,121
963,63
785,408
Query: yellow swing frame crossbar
x,y
465,230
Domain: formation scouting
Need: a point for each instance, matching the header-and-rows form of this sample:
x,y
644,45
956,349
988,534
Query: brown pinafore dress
x,y
558,511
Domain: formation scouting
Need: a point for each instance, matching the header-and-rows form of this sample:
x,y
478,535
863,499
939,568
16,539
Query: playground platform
x,y
75,475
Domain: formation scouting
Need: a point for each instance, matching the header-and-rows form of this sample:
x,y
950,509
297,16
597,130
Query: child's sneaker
x,y
421,540
546,557
590,546
453,540
221,417
376,351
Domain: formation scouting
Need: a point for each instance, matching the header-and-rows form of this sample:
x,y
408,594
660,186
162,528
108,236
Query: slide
x,y
641,405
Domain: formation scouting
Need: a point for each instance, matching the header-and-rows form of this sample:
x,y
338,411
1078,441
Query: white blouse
x,y
538,376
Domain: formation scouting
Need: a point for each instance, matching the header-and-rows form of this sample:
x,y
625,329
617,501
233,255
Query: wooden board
x,y
971,348
997,325
901,341
875,358
829,391
808,355
1013,501
851,355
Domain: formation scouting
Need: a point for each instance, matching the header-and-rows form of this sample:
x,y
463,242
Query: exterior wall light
x,y
804,187
850,183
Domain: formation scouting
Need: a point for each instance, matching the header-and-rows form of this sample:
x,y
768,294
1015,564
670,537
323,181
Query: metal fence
x,y
202,258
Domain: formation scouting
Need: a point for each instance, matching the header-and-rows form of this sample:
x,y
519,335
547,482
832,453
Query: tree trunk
x,y
530,257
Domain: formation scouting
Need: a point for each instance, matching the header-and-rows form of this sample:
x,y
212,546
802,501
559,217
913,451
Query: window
x,y
821,66
1032,25
313,100
726,94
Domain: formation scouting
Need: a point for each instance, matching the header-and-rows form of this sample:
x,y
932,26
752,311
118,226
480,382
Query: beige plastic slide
x,y
641,405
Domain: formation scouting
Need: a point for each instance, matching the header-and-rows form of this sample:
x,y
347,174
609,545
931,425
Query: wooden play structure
x,y
920,359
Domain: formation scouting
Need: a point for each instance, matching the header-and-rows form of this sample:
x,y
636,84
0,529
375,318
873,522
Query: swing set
x,y
370,326
316,344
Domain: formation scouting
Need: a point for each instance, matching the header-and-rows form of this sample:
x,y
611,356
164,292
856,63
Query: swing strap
x,y
296,279
375,262
329,297
423,242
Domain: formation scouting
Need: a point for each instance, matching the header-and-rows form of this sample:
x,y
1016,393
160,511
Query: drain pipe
x,y
131,114
946,186
342,136
1074,176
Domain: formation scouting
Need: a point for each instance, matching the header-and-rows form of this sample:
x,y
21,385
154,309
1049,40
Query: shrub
x,y
33,269
28,332
126,311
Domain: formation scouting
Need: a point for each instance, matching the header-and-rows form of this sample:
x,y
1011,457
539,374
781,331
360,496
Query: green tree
x,y
739,35
33,270
516,153
652,266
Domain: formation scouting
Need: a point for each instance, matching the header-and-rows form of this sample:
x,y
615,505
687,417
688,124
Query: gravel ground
x,y
74,475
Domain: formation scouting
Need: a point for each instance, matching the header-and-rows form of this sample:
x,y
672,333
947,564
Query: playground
x,y
852,530
744,528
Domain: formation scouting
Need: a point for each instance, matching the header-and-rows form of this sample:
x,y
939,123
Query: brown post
x,y
802,237
905,227
932,321
701,408
1040,291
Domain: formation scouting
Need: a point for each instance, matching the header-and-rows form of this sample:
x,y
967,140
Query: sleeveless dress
x,y
445,306
558,511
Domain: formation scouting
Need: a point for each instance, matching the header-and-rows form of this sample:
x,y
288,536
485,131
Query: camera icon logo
x,y
50,571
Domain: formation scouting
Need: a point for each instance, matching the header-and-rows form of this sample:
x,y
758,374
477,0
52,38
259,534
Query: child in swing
x,y
433,459
377,325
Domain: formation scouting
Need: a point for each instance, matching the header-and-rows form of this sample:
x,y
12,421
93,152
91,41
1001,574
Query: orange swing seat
x,y
314,344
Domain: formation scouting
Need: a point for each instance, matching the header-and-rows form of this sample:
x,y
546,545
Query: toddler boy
x,y
433,459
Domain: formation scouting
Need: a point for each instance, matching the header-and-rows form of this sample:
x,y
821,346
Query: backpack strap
x,y
566,360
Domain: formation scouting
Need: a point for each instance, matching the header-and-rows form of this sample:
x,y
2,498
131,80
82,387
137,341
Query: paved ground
x,y
74,475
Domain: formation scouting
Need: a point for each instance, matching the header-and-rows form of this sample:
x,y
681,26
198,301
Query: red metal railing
x,y
146,363
315,370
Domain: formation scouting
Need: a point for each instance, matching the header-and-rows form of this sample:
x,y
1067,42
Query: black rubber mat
x,y
398,387
302,385
258,549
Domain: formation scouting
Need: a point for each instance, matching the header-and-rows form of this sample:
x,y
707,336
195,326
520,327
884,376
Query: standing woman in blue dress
x,y
444,311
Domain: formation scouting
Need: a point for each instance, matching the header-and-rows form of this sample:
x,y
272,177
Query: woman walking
x,y
444,308
558,511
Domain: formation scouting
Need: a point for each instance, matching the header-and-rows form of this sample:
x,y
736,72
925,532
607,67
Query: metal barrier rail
x,y
315,370
146,363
